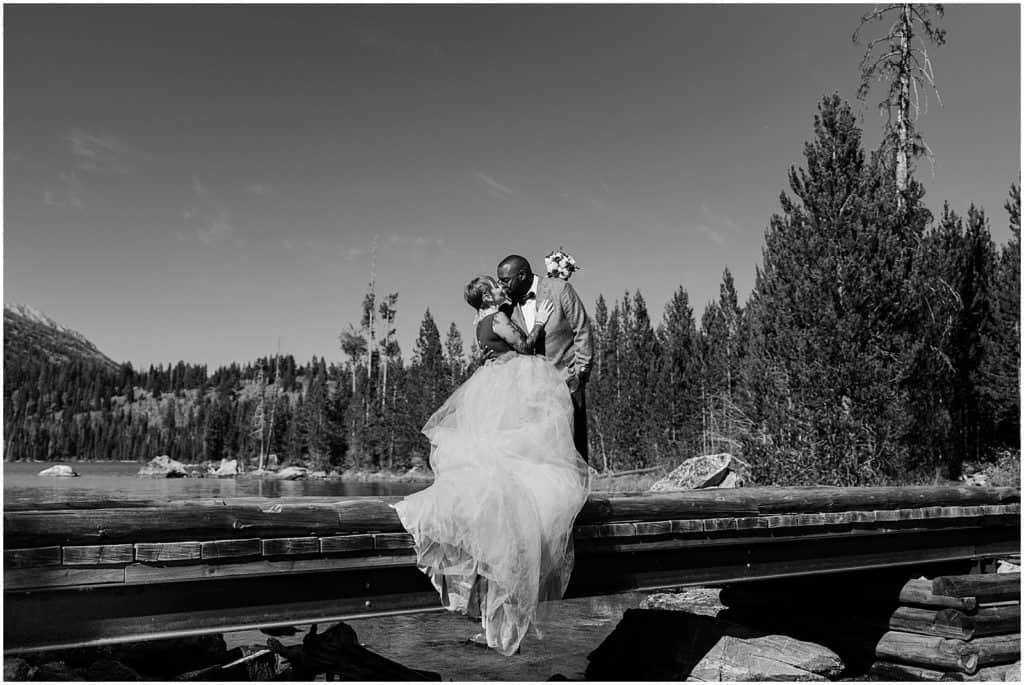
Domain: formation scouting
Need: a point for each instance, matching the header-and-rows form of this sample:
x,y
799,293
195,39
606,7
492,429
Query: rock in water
x,y
228,468
164,467
292,473
710,470
59,471
676,645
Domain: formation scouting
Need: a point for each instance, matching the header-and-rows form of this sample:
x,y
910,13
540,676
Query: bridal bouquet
x,y
561,264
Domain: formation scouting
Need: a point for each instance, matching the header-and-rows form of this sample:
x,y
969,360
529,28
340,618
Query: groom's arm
x,y
576,315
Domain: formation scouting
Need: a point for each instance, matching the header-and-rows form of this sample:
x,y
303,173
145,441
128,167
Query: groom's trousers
x,y
579,420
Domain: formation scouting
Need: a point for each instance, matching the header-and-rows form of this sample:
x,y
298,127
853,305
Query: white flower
x,y
561,264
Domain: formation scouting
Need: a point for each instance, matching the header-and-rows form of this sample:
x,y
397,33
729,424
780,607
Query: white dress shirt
x,y
529,308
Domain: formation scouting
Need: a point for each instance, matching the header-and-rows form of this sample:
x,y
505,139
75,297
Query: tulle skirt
x,y
494,531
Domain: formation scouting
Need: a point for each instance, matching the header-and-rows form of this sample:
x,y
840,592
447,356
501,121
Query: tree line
x,y
879,344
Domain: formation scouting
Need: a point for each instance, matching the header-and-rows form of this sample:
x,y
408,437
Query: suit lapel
x,y
518,318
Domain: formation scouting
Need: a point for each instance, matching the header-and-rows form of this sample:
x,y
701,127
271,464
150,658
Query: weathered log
x,y
919,591
931,652
252,517
997,649
1007,673
889,670
985,587
992,620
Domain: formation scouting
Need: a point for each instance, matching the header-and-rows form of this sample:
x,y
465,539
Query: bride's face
x,y
498,294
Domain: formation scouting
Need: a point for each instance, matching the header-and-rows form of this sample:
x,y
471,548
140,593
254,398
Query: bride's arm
x,y
510,332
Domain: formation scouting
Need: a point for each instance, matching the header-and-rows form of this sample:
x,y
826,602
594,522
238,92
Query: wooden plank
x,y
167,551
719,524
336,544
291,546
751,522
29,578
885,515
653,527
144,574
97,555
688,526
387,541
607,530
985,587
225,549
32,557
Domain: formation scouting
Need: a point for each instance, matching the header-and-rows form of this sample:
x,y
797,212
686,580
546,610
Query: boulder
x,y
650,644
228,469
710,470
110,670
59,471
317,475
292,473
164,467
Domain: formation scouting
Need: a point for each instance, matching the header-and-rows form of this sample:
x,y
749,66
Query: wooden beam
x,y
168,551
97,555
919,591
28,578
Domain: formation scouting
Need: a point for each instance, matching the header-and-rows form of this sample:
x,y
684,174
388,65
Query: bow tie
x,y
527,297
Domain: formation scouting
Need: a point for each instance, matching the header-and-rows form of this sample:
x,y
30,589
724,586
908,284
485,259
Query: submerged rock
x,y
59,471
711,470
292,473
164,467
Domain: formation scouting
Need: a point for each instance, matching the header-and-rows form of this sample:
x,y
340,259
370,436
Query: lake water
x,y
117,481
433,641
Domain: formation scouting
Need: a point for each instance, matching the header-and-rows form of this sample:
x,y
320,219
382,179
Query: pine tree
x,y
679,377
832,326
454,359
908,68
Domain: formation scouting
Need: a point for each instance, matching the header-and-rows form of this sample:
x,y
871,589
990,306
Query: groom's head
x,y
515,275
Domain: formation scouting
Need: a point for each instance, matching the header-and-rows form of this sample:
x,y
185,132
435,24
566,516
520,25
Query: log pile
x,y
959,627
949,627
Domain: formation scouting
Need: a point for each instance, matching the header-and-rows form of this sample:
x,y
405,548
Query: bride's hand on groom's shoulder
x,y
544,310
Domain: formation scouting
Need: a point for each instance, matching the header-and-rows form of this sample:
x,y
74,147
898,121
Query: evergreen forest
x,y
880,344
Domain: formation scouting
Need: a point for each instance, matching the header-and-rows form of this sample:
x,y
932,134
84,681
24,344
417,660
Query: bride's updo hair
x,y
480,292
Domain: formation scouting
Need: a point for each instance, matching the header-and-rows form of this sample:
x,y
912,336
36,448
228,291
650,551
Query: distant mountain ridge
x,y
30,333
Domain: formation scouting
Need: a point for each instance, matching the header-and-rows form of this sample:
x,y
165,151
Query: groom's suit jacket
x,y
566,340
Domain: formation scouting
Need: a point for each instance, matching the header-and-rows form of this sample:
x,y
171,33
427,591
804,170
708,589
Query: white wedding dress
x,y
494,530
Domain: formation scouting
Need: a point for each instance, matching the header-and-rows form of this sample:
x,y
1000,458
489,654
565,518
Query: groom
x,y
565,340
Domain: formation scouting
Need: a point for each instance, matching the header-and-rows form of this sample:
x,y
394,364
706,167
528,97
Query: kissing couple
x,y
508,451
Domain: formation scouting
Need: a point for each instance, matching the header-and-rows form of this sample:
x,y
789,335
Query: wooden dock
x,y
112,572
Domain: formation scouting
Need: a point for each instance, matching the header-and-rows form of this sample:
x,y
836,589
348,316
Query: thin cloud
x,y
216,230
493,187
711,234
198,187
101,154
717,218
259,189
69,192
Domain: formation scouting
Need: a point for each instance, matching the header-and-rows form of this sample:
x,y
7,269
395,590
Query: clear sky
x,y
194,182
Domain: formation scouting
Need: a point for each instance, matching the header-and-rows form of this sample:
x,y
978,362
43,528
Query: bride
x,y
494,531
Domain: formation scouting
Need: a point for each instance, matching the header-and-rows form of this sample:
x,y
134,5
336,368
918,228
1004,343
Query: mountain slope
x,y
30,334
